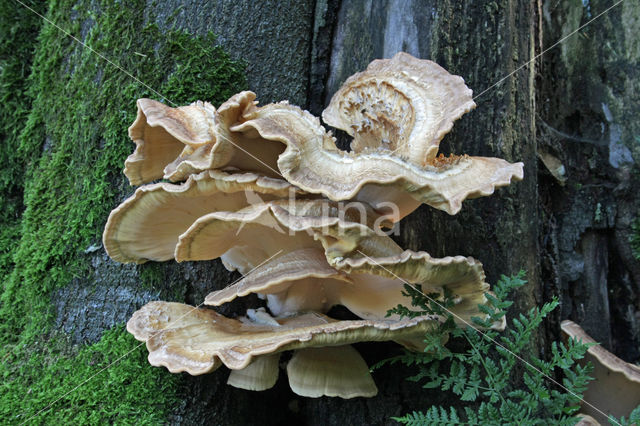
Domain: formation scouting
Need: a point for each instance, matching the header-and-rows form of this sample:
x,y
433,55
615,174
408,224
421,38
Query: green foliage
x,y
634,419
128,392
64,128
486,375
433,416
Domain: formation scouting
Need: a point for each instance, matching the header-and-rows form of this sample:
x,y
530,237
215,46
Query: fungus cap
x,y
312,162
369,287
161,133
398,110
173,143
147,225
616,385
261,374
404,104
281,226
196,340
335,371
227,149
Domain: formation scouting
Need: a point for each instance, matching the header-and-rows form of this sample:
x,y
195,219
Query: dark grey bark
x,y
579,104
588,118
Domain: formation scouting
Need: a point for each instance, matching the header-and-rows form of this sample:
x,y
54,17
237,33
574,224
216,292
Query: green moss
x,y
128,392
19,28
83,106
68,129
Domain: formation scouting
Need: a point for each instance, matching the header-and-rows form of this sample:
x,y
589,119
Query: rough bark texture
x,y
579,104
273,37
588,118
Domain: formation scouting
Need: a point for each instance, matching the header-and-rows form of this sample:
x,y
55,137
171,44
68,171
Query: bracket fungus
x,y
398,110
173,143
330,371
260,374
185,338
303,280
282,226
309,241
380,178
161,133
616,385
404,104
147,225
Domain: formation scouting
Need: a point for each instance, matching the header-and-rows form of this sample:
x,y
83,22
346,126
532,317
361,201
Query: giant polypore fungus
x,y
185,338
303,280
398,111
312,259
160,134
176,142
312,251
147,225
403,105
616,385
260,374
312,372
330,371
313,163
282,226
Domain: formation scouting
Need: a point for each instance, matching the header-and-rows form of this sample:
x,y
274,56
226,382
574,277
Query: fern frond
x,y
485,371
433,416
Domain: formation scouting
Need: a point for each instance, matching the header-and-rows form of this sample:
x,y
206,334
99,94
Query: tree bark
x,y
587,117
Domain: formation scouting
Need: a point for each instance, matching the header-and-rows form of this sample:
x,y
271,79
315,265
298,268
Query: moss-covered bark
x,y
272,36
20,29
72,143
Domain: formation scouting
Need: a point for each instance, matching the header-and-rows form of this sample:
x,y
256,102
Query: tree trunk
x,y
571,231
